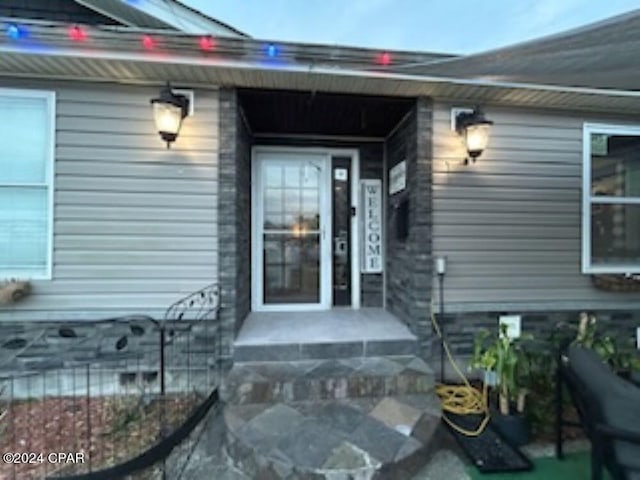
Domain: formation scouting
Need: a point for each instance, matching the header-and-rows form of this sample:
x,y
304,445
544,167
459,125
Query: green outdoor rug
x,y
574,466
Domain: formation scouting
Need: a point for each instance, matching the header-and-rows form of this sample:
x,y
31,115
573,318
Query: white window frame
x,y
588,199
48,183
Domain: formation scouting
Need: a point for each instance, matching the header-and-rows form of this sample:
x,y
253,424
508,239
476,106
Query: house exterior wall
x,y
135,224
408,261
510,225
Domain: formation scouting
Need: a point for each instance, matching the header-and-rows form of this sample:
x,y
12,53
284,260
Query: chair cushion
x,y
619,400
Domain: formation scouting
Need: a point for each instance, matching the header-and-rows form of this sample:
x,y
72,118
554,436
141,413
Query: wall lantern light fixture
x,y
169,109
474,128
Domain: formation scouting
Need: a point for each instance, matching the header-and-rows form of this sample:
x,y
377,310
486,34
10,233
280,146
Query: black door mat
x,y
489,451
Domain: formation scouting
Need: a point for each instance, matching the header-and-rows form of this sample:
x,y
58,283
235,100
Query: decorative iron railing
x,y
117,395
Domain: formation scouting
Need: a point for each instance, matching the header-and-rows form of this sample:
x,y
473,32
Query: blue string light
x,y
18,32
15,32
272,50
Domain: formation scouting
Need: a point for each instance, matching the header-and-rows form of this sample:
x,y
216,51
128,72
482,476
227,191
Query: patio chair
x,y
609,411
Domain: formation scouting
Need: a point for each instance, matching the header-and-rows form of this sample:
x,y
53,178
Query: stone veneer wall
x,y
460,328
409,261
234,218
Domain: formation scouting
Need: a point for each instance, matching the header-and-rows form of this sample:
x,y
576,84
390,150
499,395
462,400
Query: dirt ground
x,y
79,434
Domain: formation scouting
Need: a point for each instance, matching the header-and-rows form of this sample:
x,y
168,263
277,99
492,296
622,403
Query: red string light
x,y
207,43
384,59
148,42
77,34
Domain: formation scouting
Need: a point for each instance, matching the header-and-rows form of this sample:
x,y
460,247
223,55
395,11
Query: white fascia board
x,y
177,58
168,59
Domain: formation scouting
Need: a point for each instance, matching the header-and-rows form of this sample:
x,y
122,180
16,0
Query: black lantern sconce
x,y
169,109
474,128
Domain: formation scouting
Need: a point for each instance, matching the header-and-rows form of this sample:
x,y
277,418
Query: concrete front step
x,y
274,352
367,438
271,382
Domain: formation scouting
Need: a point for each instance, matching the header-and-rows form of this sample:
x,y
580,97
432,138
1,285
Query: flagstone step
x,y
388,437
293,381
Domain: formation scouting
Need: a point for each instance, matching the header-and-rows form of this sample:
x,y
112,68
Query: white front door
x,y
291,231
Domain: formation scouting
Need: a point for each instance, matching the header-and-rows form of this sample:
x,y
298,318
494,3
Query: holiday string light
x,y
148,42
384,59
205,43
15,32
77,34
272,50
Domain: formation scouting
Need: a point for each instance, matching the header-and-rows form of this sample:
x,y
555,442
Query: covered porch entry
x,y
327,333
309,184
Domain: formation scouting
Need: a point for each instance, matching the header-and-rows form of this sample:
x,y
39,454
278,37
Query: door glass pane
x,y
291,232
272,175
291,268
291,200
292,176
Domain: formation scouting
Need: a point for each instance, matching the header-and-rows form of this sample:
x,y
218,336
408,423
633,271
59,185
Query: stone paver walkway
x,y
354,417
316,439
209,462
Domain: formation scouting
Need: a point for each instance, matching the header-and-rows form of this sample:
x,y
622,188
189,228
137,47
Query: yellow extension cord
x,y
461,399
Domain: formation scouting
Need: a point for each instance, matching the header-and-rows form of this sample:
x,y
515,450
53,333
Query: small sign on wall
x,y
371,195
398,178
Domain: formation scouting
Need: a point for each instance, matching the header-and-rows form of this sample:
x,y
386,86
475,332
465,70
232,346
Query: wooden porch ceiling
x,y
290,112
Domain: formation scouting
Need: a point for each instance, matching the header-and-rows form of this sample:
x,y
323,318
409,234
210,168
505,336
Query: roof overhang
x,y
161,14
116,56
602,55
124,13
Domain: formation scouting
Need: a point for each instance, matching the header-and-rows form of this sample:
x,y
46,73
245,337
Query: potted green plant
x,y
623,359
501,360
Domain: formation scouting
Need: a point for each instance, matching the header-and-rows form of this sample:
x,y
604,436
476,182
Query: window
x,y
26,183
611,199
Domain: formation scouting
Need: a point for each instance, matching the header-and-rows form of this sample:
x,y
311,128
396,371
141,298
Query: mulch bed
x,y
106,430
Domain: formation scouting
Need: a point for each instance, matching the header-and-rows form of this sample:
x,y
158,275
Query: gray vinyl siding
x,y
135,224
510,225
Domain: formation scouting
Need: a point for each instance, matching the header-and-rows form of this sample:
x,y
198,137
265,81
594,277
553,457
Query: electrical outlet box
x,y
638,338
513,323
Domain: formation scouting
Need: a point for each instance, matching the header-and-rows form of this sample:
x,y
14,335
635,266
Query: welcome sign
x,y
371,194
